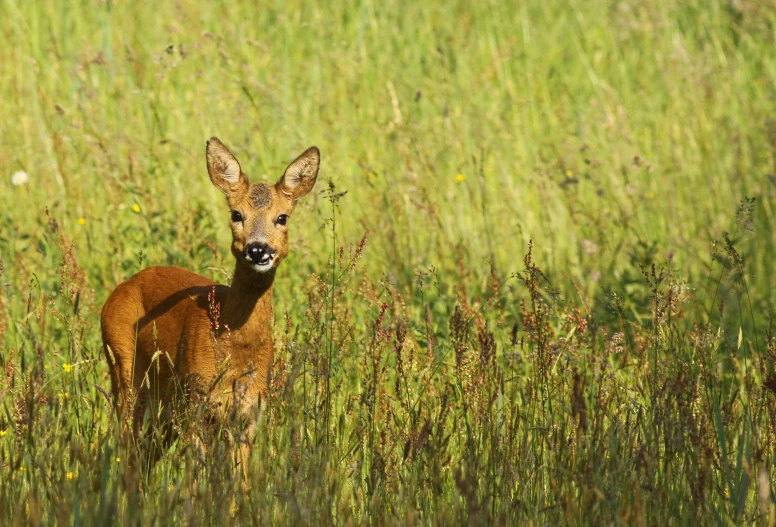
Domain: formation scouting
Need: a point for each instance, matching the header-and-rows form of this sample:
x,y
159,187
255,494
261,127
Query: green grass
x,y
621,373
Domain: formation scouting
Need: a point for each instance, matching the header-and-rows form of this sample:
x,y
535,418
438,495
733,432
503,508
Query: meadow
x,y
533,285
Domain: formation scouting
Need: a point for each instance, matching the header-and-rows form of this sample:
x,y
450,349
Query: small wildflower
x,y
22,469
3,433
136,208
20,178
70,476
460,178
589,246
569,173
118,460
67,367
63,395
45,366
81,221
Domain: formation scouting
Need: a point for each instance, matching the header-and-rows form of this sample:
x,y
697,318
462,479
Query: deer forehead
x,y
261,197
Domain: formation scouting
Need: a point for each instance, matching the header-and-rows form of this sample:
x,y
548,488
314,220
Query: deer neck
x,y
247,312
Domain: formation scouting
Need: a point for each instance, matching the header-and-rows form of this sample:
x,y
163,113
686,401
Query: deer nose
x,y
258,253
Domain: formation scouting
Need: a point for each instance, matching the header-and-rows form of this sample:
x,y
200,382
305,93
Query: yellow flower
x,y
22,469
70,475
3,432
81,221
136,208
45,366
460,178
63,395
569,173
118,460
67,367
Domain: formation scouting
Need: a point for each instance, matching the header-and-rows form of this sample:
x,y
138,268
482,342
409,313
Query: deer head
x,y
260,213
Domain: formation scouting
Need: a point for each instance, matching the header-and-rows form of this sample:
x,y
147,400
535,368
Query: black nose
x,y
258,253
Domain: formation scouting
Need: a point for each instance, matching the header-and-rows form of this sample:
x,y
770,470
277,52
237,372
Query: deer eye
x,y
282,219
236,216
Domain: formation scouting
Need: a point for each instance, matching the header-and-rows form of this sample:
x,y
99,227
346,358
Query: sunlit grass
x,y
620,374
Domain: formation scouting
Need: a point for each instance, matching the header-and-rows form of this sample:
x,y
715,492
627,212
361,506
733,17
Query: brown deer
x,y
168,332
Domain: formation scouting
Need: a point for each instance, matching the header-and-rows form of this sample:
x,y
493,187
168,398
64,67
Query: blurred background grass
x,y
614,123
612,134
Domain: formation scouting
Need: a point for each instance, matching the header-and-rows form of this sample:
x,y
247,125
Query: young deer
x,y
168,332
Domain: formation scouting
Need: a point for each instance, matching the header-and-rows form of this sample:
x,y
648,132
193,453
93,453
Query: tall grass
x,y
535,283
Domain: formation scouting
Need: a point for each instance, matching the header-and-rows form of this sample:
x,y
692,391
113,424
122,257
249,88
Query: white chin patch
x,y
264,266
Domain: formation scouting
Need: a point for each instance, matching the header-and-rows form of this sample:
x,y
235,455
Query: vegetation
x,y
535,283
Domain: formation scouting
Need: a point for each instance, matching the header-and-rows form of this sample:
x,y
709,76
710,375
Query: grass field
x,y
533,285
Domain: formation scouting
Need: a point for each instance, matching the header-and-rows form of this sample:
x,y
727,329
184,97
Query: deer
x,y
168,332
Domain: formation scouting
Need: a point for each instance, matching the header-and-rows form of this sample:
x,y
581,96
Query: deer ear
x,y
224,170
301,174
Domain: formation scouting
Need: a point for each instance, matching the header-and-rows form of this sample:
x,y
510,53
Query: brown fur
x,y
162,330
